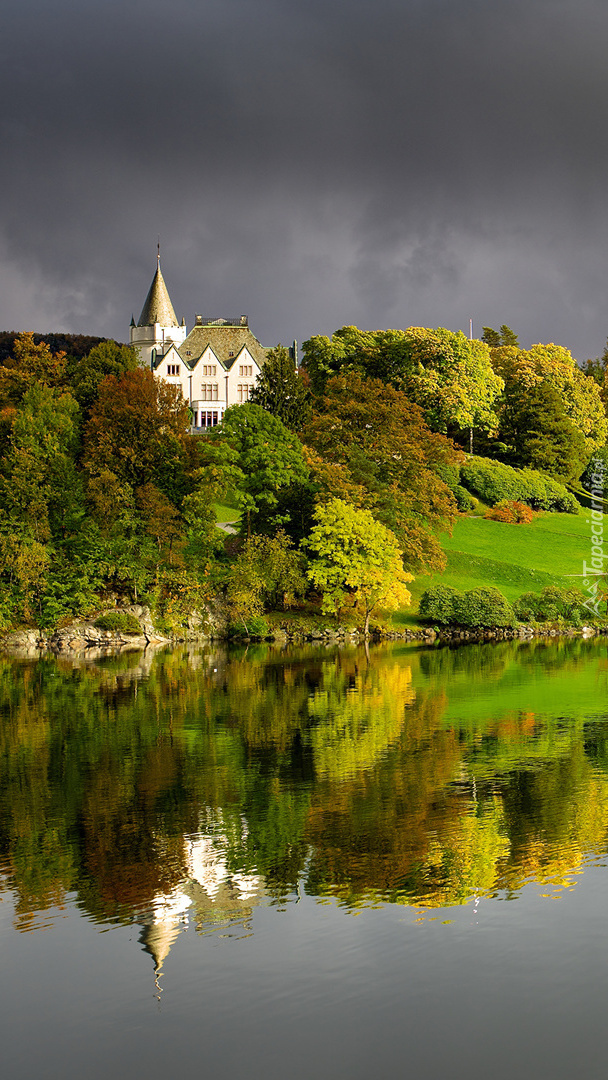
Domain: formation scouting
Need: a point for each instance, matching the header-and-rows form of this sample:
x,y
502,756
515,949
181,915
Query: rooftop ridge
x,y
233,320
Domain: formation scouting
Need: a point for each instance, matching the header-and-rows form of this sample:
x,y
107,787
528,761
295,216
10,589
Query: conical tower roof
x,y
158,307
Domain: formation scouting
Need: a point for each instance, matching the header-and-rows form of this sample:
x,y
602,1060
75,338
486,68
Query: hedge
x,y
483,606
495,482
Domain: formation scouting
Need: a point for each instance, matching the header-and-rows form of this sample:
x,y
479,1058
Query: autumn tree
x,y
372,441
161,519
353,556
29,363
282,391
138,431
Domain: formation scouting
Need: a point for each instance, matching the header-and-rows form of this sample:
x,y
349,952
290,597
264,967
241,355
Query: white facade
x,y
209,387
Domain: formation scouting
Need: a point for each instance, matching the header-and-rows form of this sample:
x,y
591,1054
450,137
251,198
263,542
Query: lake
x,y
306,862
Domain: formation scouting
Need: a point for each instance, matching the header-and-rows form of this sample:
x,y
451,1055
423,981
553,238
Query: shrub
x,y
256,626
512,512
495,482
551,605
437,604
478,607
450,474
119,621
484,606
464,501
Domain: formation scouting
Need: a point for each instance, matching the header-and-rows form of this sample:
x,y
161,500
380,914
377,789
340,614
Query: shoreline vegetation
x,y
402,484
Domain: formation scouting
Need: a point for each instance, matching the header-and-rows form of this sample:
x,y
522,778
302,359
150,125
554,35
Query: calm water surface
x,y
306,863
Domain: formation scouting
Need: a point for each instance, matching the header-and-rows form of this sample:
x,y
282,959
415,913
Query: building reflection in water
x,y
211,897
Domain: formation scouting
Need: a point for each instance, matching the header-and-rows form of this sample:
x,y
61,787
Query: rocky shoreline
x,y
84,638
443,635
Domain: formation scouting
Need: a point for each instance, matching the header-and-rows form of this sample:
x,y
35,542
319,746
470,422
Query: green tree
x,y
273,569
282,391
448,376
496,338
354,556
491,337
39,485
523,369
267,455
342,353
87,374
540,434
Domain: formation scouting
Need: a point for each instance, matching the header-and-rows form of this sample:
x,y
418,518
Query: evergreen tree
x,y
496,338
541,436
281,390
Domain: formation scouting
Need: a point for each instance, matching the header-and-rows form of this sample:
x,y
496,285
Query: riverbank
x,y
83,637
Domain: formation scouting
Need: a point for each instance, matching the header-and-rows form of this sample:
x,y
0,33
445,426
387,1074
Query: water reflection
x,y
184,788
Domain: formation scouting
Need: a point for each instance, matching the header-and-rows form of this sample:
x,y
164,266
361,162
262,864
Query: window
x,y
209,419
209,369
239,392
172,369
215,390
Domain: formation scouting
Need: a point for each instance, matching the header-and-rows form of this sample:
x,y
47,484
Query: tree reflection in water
x,y
193,785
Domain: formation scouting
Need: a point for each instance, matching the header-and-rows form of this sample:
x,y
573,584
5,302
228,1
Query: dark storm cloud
x,y
312,163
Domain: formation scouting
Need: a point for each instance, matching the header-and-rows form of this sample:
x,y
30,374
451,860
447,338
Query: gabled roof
x,y
223,340
158,307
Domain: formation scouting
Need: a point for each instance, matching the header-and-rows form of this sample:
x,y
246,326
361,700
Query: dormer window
x,y
230,354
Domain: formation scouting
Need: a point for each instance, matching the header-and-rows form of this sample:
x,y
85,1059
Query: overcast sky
x,y
311,163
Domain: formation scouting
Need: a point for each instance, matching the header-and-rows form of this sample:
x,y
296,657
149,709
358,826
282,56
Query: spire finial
x,y
158,254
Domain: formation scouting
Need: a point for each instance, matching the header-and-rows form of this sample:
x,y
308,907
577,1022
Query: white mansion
x,y
216,364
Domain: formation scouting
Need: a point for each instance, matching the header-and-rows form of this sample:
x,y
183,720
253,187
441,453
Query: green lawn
x,y
226,514
513,558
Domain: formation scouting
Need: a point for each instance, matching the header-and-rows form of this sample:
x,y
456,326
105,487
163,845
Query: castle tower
x,y
158,327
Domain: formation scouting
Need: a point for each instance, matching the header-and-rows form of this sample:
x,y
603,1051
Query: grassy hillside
x,y
513,558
